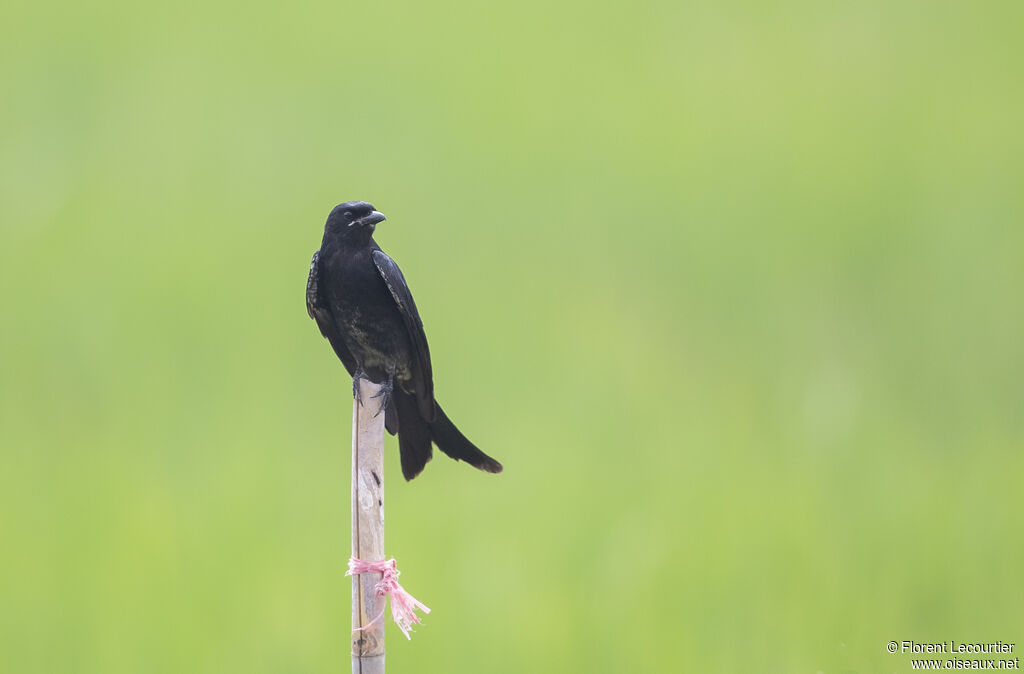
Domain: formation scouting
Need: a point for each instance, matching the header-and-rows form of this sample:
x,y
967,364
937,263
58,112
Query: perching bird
x,y
359,299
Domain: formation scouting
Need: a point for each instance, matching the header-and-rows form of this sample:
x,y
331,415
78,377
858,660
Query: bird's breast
x,y
365,310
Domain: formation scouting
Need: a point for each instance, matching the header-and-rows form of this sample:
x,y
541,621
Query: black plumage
x,y
359,298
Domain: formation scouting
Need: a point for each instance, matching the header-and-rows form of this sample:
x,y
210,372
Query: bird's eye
x,y
348,215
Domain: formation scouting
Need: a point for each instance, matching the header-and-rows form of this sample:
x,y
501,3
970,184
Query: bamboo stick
x,y
367,530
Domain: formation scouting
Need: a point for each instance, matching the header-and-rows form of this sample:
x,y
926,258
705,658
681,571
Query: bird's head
x,y
353,220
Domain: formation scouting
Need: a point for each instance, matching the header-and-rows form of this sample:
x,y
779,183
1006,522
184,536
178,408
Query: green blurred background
x,y
732,289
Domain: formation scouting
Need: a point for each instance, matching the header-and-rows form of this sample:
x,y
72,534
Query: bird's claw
x,y
385,395
356,393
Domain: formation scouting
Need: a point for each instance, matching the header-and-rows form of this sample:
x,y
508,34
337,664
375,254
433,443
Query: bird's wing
x,y
423,376
320,312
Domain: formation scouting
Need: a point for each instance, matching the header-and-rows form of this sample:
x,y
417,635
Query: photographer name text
x,y
955,647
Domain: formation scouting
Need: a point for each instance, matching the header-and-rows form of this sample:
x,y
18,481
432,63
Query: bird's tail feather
x,y
452,442
413,434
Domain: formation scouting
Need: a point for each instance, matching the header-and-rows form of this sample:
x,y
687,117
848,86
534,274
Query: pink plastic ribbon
x,y
403,604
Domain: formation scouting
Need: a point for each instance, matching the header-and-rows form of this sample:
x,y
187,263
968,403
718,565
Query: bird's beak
x,y
371,219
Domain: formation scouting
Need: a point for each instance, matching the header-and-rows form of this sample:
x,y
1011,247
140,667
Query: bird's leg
x,y
356,376
385,391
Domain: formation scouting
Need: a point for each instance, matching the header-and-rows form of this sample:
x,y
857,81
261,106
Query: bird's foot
x,y
384,394
356,393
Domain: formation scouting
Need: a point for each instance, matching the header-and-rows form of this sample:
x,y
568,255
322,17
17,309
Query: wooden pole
x,y
367,530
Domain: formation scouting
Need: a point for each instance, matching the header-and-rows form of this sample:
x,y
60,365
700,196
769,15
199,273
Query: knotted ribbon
x,y
403,604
